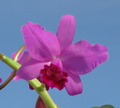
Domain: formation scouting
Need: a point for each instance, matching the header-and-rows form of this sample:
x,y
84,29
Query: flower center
x,y
52,76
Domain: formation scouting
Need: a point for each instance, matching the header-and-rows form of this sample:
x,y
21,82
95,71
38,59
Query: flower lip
x,y
52,76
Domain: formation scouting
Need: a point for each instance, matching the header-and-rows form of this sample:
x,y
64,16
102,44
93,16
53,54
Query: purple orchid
x,y
55,58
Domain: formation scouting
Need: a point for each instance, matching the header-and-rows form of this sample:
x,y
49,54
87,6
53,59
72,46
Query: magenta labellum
x,y
52,76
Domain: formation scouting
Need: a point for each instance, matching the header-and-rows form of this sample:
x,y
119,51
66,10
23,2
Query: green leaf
x,y
95,107
107,106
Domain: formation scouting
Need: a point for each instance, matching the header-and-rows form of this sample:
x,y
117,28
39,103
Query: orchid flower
x,y
55,59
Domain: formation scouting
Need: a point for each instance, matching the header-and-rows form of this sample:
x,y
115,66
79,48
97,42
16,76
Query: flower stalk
x,y
39,87
10,62
19,52
3,58
41,90
13,64
8,80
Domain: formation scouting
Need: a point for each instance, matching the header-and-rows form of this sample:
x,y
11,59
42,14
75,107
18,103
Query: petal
x,y
82,57
16,78
74,84
1,80
31,69
66,30
41,45
57,62
23,57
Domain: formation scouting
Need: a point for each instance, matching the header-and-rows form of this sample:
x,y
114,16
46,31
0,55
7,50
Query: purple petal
x,y
41,45
57,62
1,80
16,78
31,69
23,57
82,57
66,30
74,84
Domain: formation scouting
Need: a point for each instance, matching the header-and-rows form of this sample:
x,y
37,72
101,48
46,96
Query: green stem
x,y
18,53
14,65
15,60
41,90
8,80
39,87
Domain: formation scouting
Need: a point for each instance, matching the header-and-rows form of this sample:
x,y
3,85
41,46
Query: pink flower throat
x,y
52,76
